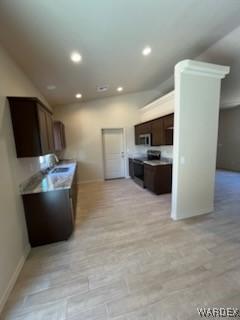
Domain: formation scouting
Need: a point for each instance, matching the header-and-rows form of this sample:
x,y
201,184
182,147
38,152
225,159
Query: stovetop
x,y
141,159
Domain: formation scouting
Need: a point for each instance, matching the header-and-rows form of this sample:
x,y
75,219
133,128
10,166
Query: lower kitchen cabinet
x,y
131,168
50,216
158,179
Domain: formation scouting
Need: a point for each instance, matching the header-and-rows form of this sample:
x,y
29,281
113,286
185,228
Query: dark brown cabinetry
x,y
142,128
161,130
59,136
50,216
157,132
158,179
168,123
131,168
49,121
32,127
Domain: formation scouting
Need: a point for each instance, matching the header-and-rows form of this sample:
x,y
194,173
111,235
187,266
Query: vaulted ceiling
x,y
110,35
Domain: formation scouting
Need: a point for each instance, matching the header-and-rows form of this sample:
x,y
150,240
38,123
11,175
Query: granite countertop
x,y
158,162
50,181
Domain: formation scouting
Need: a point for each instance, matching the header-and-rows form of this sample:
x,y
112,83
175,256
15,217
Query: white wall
x,y
226,51
228,156
13,238
158,108
84,121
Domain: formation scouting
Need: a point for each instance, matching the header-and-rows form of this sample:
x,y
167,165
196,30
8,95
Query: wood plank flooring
x,y
127,260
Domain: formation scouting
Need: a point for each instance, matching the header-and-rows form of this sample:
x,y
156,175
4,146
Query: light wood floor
x,y
127,260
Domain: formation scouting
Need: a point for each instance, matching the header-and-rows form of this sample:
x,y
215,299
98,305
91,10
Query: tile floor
x,y
127,260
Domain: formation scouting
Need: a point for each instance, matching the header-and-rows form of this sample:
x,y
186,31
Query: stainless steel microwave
x,y
144,139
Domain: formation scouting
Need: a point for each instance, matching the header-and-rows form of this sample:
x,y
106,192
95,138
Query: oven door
x,y
138,170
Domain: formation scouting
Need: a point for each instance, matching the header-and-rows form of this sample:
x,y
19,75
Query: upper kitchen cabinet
x,y
160,129
32,127
59,136
157,132
168,123
142,128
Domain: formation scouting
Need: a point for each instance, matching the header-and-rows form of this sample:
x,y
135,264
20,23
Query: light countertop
x,y
50,181
158,162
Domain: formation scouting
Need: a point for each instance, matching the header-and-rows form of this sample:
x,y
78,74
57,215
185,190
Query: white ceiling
x,y
110,35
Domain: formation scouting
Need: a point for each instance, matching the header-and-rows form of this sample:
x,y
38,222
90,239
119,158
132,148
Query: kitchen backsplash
x,y
27,167
166,151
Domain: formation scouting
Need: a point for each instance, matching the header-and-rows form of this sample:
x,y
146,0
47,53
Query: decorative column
x,y
197,99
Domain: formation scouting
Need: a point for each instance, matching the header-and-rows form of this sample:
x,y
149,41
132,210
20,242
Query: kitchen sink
x,y
60,170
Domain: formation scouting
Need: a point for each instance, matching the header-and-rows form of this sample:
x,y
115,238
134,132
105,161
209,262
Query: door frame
x,y
124,150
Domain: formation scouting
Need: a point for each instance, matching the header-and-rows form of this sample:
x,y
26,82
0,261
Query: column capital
x,y
200,68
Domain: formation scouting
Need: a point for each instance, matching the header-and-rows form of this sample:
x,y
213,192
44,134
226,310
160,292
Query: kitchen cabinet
x,y
43,132
131,167
157,132
32,127
158,178
168,123
59,136
49,121
50,216
142,128
161,130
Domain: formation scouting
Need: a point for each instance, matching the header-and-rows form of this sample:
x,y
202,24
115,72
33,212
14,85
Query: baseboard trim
x,y
90,181
100,180
14,277
192,214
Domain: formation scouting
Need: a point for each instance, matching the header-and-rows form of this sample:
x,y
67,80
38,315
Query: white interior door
x,y
113,152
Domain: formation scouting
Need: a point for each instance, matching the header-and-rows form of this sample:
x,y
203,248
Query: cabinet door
x,y
49,122
149,177
142,128
43,130
63,137
59,136
137,133
168,123
157,132
131,170
73,195
145,128
74,191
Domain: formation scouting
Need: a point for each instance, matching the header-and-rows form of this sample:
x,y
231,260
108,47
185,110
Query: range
x,y
138,165
152,172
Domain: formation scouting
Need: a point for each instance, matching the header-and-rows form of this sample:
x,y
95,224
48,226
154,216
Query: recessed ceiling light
x,y
120,89
78,96
51,87
76,57
146,51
